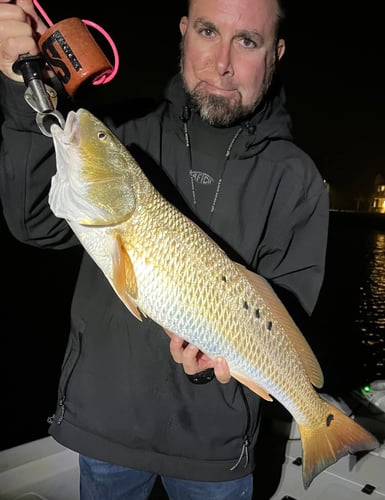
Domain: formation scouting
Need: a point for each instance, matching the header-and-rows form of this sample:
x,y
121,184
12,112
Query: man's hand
x,y
20,28
194,361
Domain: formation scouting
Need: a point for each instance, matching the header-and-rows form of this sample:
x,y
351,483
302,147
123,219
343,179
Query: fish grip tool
x,y
41,97
73,54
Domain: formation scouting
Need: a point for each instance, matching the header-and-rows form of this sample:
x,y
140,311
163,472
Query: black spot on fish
x,y
245,305
257,315
224,279
269,325
329,419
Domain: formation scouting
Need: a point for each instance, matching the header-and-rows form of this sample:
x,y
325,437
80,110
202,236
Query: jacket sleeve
x,y
293,251
27,164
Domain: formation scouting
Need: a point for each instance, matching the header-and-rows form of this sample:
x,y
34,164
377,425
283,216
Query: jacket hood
x,y
270,121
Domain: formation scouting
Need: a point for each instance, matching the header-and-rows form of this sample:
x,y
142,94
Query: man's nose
x,y
224,59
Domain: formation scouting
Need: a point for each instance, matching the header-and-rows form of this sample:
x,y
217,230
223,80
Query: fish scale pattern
x,y
192,288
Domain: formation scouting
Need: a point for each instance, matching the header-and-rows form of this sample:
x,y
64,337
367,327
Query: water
x,y
370,316
346,331
349,320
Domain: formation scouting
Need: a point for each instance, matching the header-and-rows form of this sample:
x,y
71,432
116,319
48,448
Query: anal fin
x,y
252,386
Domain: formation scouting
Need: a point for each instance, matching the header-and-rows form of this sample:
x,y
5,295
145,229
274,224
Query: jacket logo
x,y
201,177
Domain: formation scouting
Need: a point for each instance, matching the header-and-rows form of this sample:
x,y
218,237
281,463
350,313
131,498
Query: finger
x,y
24,12
9,11
10,51
12,30
16,12
177,345
190,356
221,370
28,7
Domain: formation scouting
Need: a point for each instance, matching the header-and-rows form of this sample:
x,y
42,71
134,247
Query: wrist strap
x,y
202,377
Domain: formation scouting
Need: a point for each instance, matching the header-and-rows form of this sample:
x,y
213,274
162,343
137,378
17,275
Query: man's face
x,y
228,56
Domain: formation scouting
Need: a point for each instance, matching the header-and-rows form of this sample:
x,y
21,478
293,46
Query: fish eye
x,y
102,135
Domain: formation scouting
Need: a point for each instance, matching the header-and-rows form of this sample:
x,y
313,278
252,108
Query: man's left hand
x,y
194,361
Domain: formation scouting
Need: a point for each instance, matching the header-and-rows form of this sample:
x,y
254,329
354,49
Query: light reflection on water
x,y
371,311
347,328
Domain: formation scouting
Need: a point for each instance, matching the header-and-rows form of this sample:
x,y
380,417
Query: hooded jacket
x,y
121,397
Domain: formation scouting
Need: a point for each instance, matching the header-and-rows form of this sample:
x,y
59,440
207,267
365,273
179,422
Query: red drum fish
x,y
163,266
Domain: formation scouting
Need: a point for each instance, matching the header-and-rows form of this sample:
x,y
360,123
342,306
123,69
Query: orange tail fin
x,y
325,444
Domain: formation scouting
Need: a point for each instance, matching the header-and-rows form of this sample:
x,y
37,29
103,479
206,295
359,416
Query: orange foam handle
x,y
73,54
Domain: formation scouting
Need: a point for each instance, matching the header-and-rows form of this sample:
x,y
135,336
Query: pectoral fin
x,y
123,277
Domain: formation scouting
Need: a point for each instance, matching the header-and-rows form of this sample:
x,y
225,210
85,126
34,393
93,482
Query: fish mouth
x,y
67,135
65,140
71,122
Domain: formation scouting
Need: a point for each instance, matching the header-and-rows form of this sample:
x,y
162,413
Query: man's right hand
x,y
20,28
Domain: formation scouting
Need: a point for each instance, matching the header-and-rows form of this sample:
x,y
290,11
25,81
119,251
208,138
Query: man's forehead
x,y
249,15
272,6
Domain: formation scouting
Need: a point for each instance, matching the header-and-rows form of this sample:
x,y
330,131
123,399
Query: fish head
x,y
95,178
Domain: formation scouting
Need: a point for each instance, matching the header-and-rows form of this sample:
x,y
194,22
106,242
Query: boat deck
x,y
45,470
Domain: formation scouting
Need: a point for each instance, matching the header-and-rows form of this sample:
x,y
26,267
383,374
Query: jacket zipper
x,y
245,440
70,363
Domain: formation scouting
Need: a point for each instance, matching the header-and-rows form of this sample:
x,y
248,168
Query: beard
x,y
221,111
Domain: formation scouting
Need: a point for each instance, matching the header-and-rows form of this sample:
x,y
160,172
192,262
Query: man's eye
x,y
249,44
207,32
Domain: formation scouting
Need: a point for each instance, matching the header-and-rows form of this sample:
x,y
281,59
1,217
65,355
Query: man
x,y
124,404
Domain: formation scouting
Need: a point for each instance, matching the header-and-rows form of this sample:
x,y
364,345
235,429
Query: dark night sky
x,y
331,73
335,91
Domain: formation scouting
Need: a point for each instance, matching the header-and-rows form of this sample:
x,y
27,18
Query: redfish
x,y
163,266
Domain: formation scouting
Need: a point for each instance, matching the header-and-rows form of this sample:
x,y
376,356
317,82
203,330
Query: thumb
x,y
221,370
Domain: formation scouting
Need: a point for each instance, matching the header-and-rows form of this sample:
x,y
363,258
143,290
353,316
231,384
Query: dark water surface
x,y
349,320
346,329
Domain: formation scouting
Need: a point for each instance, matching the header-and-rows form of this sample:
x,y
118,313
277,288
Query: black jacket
x,y
121,397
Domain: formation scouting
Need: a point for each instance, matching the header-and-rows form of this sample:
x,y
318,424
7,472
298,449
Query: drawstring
x,y
185,117
219,185
233,141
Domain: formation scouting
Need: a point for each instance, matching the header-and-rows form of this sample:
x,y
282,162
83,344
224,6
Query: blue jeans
x,y
104,481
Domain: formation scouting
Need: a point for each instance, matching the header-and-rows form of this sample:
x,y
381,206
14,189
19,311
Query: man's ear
x,y
183,24
281,47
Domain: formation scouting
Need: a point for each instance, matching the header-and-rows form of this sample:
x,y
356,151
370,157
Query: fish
x,y
165,267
